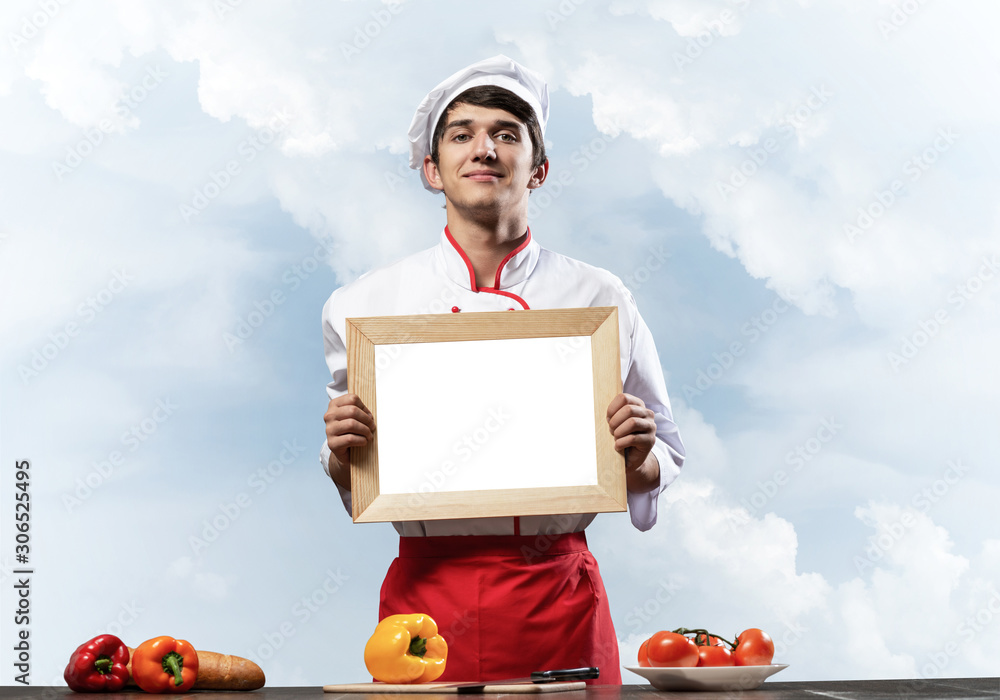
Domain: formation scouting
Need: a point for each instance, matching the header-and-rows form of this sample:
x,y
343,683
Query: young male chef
x,y
477,138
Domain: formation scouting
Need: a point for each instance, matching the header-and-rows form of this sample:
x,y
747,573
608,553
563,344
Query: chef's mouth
x,y
483,175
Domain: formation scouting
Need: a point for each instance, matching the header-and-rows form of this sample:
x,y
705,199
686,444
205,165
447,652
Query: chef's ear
x,y
432,174
539,175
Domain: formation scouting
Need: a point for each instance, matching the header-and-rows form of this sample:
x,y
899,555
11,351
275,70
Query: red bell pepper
x,y
98,666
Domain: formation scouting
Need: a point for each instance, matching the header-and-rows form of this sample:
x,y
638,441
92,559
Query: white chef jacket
x,y
441,280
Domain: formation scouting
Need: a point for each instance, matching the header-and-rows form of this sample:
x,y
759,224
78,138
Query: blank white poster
x,y
485,414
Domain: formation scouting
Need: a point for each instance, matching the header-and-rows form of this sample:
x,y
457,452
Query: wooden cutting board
x,y
441,688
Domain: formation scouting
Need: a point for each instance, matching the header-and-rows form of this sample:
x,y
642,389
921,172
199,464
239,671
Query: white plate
x,y
707,677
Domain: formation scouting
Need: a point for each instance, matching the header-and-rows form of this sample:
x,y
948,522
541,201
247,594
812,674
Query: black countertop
x,y
939,689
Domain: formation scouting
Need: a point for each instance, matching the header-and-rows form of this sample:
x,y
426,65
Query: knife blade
x,y
551,676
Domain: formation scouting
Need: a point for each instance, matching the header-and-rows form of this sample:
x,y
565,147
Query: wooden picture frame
x,y
486,414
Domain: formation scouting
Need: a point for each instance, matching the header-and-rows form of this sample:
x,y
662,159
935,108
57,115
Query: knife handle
x,y
565,674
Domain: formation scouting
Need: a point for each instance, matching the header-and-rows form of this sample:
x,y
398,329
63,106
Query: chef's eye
x,y
508,137
461,138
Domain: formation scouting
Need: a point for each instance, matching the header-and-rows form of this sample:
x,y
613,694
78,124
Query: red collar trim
x,y
495,289
511,254
468,263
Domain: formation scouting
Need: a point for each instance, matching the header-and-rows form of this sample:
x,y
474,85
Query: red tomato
x,y
753,648
709,641
714,656
643,658
670,649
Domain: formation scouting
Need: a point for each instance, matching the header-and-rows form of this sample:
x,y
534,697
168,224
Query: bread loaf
x,y
227,672
221,672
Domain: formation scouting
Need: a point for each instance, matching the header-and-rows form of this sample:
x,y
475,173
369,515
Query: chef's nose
x,y
484,147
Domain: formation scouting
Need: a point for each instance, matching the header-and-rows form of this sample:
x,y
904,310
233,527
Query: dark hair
x,y
495,98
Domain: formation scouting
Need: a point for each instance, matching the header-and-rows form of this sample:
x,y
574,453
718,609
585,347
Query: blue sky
x,y
801,196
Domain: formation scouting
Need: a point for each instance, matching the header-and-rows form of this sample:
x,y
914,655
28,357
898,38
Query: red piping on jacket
x,y
495,289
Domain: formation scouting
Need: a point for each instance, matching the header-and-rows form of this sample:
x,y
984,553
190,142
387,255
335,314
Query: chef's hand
x,y
634,428
349,424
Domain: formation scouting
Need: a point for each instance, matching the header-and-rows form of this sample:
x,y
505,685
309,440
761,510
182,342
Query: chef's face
x,y
484,161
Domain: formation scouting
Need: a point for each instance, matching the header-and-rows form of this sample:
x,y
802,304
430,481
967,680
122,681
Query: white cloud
x,y
863,627
732,567
754,554
829,154
848,110
919,572
865,651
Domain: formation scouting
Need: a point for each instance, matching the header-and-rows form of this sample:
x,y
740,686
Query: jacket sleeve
x,y
644,379
335,350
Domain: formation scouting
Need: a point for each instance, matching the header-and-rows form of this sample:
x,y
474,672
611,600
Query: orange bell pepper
x,y
165,665
406,649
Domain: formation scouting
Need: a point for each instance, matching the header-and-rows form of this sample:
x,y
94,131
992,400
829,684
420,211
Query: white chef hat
x,y
499,71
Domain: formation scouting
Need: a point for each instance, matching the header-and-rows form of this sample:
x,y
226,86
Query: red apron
x,y
507,605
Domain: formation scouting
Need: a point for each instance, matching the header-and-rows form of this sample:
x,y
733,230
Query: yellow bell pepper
x,y
406,649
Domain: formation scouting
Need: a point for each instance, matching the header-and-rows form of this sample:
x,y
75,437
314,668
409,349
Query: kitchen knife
x,y
553,676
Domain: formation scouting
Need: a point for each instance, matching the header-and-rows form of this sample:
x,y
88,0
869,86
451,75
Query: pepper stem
x,y
418,646
172,664
103,664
